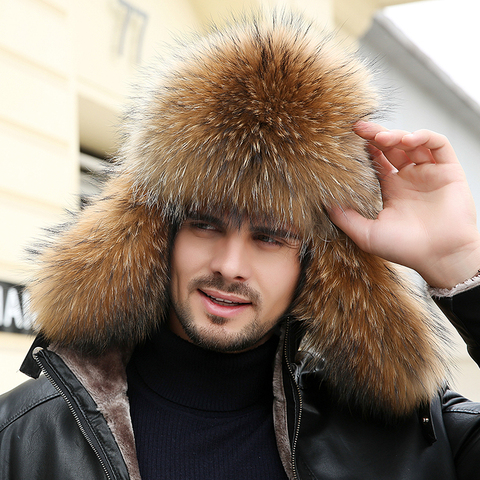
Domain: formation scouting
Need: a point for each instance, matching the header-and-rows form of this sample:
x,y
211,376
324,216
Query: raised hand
x,y
428,222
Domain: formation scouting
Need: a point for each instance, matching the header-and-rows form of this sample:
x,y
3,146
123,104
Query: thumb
x,y
353,224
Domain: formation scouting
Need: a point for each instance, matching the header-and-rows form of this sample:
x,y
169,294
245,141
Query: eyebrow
x,y
274,232
279,232
205,217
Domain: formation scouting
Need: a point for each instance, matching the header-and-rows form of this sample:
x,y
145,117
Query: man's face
x,y
229,284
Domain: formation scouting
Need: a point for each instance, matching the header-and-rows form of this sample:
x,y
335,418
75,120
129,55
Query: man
x,y
211,270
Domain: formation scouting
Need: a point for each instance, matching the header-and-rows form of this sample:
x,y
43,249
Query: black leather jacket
x,y
51,428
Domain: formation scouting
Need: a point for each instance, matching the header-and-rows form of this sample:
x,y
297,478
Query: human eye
x,y
275,237
202,226
269,240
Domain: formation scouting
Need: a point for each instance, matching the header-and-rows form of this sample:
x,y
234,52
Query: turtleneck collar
x,y
193,377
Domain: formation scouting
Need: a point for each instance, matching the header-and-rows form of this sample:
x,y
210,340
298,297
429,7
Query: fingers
x,y
387,141
381,164
368,130
401,155
437,144
403,148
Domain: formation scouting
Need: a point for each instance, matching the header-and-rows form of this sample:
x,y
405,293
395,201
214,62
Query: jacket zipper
x,y
84,427
300,401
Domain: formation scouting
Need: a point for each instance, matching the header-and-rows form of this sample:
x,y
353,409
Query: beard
x,y
216,339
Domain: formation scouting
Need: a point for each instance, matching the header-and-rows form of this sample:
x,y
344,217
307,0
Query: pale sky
x,y
448,31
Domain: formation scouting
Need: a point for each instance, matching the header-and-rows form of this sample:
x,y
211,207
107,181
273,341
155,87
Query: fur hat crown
x,y
256,119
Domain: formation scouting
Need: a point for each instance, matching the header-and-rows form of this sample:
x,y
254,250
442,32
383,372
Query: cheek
x,y
178,267
282,281
288,284
186,263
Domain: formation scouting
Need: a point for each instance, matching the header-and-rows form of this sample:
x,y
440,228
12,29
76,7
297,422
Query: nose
x,y
232,258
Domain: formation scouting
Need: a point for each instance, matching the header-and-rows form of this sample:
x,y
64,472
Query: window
x,y
93,173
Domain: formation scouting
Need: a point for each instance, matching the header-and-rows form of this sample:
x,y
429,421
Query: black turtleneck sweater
x,y
199,414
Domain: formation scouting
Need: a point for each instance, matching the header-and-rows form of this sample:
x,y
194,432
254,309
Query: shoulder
x,y
463,311
25,398
461,417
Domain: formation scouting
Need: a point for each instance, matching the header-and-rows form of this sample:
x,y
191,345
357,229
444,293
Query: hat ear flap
x,y
103,282
374,335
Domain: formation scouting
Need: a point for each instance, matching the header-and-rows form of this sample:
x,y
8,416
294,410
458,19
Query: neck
x,y
188,375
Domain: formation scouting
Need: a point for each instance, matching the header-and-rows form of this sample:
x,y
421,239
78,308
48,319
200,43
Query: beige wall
x,y
38,134
65,68
354,17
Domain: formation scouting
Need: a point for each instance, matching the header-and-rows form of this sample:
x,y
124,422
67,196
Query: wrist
x,y
459,288
455,269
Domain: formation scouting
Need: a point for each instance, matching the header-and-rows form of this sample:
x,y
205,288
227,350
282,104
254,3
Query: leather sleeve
x,y
463,310
462,423
461,416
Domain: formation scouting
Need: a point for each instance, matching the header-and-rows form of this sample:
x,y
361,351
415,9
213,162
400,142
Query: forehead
x,y
277,216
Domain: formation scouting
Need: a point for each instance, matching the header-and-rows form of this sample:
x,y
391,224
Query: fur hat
x,y
256,119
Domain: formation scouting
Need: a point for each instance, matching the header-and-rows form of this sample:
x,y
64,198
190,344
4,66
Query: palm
x,y
419,214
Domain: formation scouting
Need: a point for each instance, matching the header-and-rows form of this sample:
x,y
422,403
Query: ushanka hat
x,y
255,120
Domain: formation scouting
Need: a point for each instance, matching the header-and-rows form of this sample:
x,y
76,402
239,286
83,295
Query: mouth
x,y
224,299
223,305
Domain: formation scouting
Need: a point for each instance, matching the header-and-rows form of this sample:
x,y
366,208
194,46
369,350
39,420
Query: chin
x,y
218,338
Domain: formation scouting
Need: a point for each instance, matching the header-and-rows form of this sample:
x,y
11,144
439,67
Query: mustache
x,y
219,283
